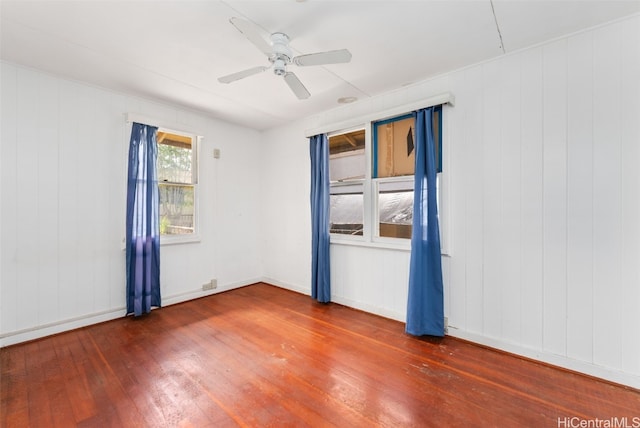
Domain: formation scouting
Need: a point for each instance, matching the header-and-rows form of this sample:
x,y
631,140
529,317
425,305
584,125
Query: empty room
x,y
319,213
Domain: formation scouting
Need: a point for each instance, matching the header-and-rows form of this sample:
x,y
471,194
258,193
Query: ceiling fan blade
x,y
296,86
251,32
242,74
321,58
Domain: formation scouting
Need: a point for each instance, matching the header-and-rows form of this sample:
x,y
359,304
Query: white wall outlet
x,y
207,286
216,153
210,285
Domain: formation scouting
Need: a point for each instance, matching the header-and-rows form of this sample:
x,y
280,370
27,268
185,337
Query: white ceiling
x,y
174,51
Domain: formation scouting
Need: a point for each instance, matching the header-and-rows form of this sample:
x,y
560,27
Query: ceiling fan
x,y
280,56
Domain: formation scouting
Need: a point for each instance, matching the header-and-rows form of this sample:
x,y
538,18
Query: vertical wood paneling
x,y
492,198
474,207
555,195
87,185
340,271
47,165
458,170
27,198
68,201
630,154
346,275
511,248
336,271
446,281
104,139
370,283
607,213
393,280
373,279
580,198
531,304
9,218
115,229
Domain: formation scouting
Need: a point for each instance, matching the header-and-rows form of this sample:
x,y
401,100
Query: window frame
x,y
344,187
370,236
378,181
363,182
404,182
374,138
195,156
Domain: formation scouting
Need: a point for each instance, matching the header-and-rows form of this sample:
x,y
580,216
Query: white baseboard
x,y
281,284
385,313
37,332
339,300
549,358
198,293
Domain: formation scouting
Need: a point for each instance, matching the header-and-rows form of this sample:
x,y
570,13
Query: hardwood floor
x,y
263,356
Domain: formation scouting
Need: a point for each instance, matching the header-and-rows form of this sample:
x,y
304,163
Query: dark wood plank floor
x,y
263,356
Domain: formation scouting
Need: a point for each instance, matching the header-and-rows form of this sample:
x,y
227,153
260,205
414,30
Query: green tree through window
x,y
176,176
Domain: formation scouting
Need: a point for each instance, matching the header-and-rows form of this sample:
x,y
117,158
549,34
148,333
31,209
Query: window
x,y
371,193
393,165
347,166
177,181
393,153
394,156
395,208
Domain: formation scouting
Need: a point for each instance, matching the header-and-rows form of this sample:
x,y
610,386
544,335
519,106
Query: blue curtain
x,y
320,266
425,308
143,226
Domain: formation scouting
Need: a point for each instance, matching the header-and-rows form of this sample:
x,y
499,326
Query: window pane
x,y
346,156
395,213
346,215
176,209
394,145
174,158
395,154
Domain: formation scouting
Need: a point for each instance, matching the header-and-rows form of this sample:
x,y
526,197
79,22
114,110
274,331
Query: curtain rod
x,y
445,98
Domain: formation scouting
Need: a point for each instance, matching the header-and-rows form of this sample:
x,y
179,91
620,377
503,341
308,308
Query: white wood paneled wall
x,y
382,275
62,171
546,198
544,161
63,191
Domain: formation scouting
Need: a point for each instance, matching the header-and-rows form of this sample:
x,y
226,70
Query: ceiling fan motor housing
x,y
281,55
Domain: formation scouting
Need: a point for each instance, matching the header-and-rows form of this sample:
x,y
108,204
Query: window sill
x,y
175,240
391,244
195,239
386,245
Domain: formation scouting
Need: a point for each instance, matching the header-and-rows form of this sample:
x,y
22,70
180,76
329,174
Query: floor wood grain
x,y
263,356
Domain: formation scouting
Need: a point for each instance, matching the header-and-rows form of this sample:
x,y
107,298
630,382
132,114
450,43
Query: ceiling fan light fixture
x,y
279,67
